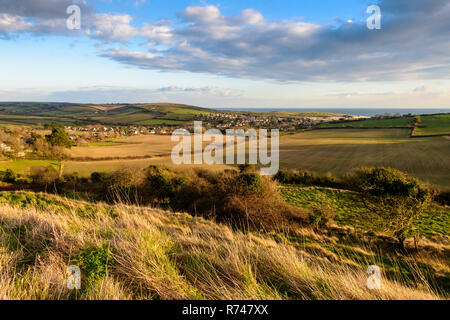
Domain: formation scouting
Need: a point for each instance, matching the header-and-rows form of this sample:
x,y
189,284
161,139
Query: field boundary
x,y
89,159
431,135
357,128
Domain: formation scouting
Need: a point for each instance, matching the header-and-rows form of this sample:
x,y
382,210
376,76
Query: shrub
x,y
123,186
72,180
321,216
304,177
443,198
250,181
44,176
98,177
242,199
94,262
395,199
23,181
8,176
243,168
59,137
162,184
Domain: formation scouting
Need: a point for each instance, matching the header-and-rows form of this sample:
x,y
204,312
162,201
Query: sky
x,y
228,54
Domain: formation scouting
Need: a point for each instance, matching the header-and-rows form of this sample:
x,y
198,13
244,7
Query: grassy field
x,y
135,146
372,123
154,122
142,253
337,151
104,144
127,147
85,168
351,212
433,125
24,166
341,150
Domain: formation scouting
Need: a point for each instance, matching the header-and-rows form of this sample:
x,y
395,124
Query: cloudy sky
x,y
230,53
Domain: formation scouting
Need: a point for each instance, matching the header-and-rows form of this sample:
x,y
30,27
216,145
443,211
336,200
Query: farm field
x,y
341,150
434,125
85,168
372,123
337,151
137,146
24,166
127,147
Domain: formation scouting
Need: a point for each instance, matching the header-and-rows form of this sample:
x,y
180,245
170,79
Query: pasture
x,y
372,123
341,150
24,166
434,125
337,151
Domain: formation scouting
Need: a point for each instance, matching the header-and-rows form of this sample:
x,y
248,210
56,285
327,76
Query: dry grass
x,y
159,254
85,168
135,146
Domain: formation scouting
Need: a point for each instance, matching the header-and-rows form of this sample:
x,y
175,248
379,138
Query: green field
x,y
434,125
341,150
337,151
24,166
372,123
155,122
350,211
84,168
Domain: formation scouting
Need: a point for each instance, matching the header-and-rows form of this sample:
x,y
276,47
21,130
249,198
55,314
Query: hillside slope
x,y
116,114
141,253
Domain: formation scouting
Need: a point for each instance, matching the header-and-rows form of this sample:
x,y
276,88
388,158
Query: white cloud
x,y
12,24
207,14
412,44
113,27
248,46
114,94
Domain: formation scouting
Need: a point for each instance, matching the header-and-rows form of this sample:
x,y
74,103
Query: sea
x,y
369,112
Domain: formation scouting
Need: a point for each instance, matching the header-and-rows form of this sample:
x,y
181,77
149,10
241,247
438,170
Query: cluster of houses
x,y
245,120
6,149
110,131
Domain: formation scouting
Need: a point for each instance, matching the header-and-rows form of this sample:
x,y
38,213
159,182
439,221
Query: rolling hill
x,y
29,113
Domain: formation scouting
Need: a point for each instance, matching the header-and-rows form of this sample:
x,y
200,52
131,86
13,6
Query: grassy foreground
x,y
141,253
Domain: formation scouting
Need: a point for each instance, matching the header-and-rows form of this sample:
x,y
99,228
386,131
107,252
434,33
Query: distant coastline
x,y
370,112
